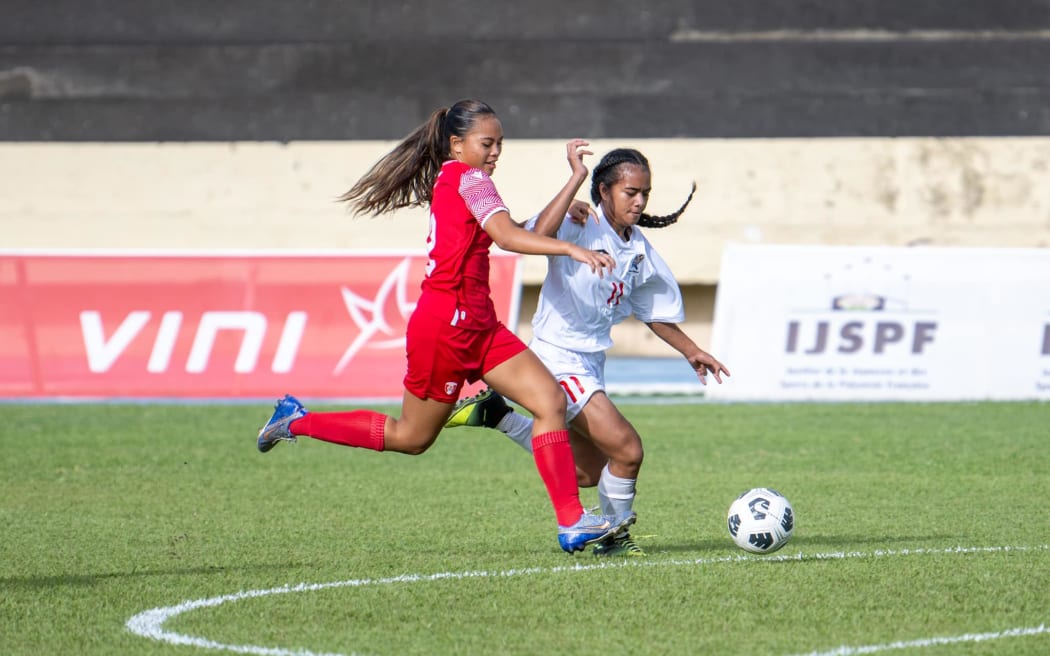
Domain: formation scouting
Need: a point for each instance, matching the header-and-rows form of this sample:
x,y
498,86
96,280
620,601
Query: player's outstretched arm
x,y
700,360
509,236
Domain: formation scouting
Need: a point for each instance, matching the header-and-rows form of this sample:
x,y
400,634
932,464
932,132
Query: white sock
x,y
518,428
615,494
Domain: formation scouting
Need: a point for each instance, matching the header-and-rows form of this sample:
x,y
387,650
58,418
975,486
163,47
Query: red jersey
x,y
456,286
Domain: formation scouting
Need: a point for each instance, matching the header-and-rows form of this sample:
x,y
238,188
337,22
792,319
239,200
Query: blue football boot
x,y
285,411
587,530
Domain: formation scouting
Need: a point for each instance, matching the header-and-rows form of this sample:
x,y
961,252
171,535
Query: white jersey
x,y
577,308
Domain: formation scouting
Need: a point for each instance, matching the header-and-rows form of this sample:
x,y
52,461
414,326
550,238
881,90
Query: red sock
x,y
360,428
558,470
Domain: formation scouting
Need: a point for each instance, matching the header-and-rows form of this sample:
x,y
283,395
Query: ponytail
x,y
405,176
647,221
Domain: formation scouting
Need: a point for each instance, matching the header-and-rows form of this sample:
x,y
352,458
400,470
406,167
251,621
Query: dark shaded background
x,y
199,70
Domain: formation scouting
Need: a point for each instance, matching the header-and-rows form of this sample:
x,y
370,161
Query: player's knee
x,y
630,455
635,457
411,443
550,403
561,406
414,449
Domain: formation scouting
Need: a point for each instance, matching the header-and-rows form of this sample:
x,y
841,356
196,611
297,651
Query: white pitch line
x,y
932,642
150,623
855,35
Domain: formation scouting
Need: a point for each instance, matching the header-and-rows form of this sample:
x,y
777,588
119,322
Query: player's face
x,y
624,202
480,148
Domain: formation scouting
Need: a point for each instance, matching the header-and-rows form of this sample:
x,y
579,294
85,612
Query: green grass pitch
x,y
920,528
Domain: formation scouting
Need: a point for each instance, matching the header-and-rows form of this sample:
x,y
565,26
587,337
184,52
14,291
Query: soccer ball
x,y
761,520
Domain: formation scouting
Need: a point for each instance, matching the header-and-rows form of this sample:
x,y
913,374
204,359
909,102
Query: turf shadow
x,y
13,583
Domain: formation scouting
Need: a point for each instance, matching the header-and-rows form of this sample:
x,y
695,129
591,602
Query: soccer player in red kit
x,y
453,335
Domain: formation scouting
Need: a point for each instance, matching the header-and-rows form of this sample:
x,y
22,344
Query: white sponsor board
x,y
883,323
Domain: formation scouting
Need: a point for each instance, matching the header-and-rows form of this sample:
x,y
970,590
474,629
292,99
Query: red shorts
x,y
441,356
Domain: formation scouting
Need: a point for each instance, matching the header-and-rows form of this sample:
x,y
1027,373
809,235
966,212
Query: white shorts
x,y
579,374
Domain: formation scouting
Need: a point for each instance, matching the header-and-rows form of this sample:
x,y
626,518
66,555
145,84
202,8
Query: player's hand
x,y
598,261
704,363
579,211
575,150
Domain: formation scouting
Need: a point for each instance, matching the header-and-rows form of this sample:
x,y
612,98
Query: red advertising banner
x,y
318,325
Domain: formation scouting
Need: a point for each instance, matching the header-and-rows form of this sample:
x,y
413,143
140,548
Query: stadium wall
x,y
262,70
211,196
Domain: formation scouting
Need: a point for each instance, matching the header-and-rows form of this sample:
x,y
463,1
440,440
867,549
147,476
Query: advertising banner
x,y
318,325
883,323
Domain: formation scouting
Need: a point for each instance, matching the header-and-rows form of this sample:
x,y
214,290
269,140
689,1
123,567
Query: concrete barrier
x,y
208,196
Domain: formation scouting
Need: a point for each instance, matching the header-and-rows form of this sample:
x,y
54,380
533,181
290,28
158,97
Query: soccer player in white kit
x,y
454,334
572,326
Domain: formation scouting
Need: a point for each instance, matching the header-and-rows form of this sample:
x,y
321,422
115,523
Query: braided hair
x,y
608,172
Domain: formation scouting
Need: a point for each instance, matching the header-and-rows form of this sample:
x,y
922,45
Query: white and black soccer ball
x,y
761,520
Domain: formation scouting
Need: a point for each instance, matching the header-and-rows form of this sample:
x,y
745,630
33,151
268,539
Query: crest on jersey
x,y
636,264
